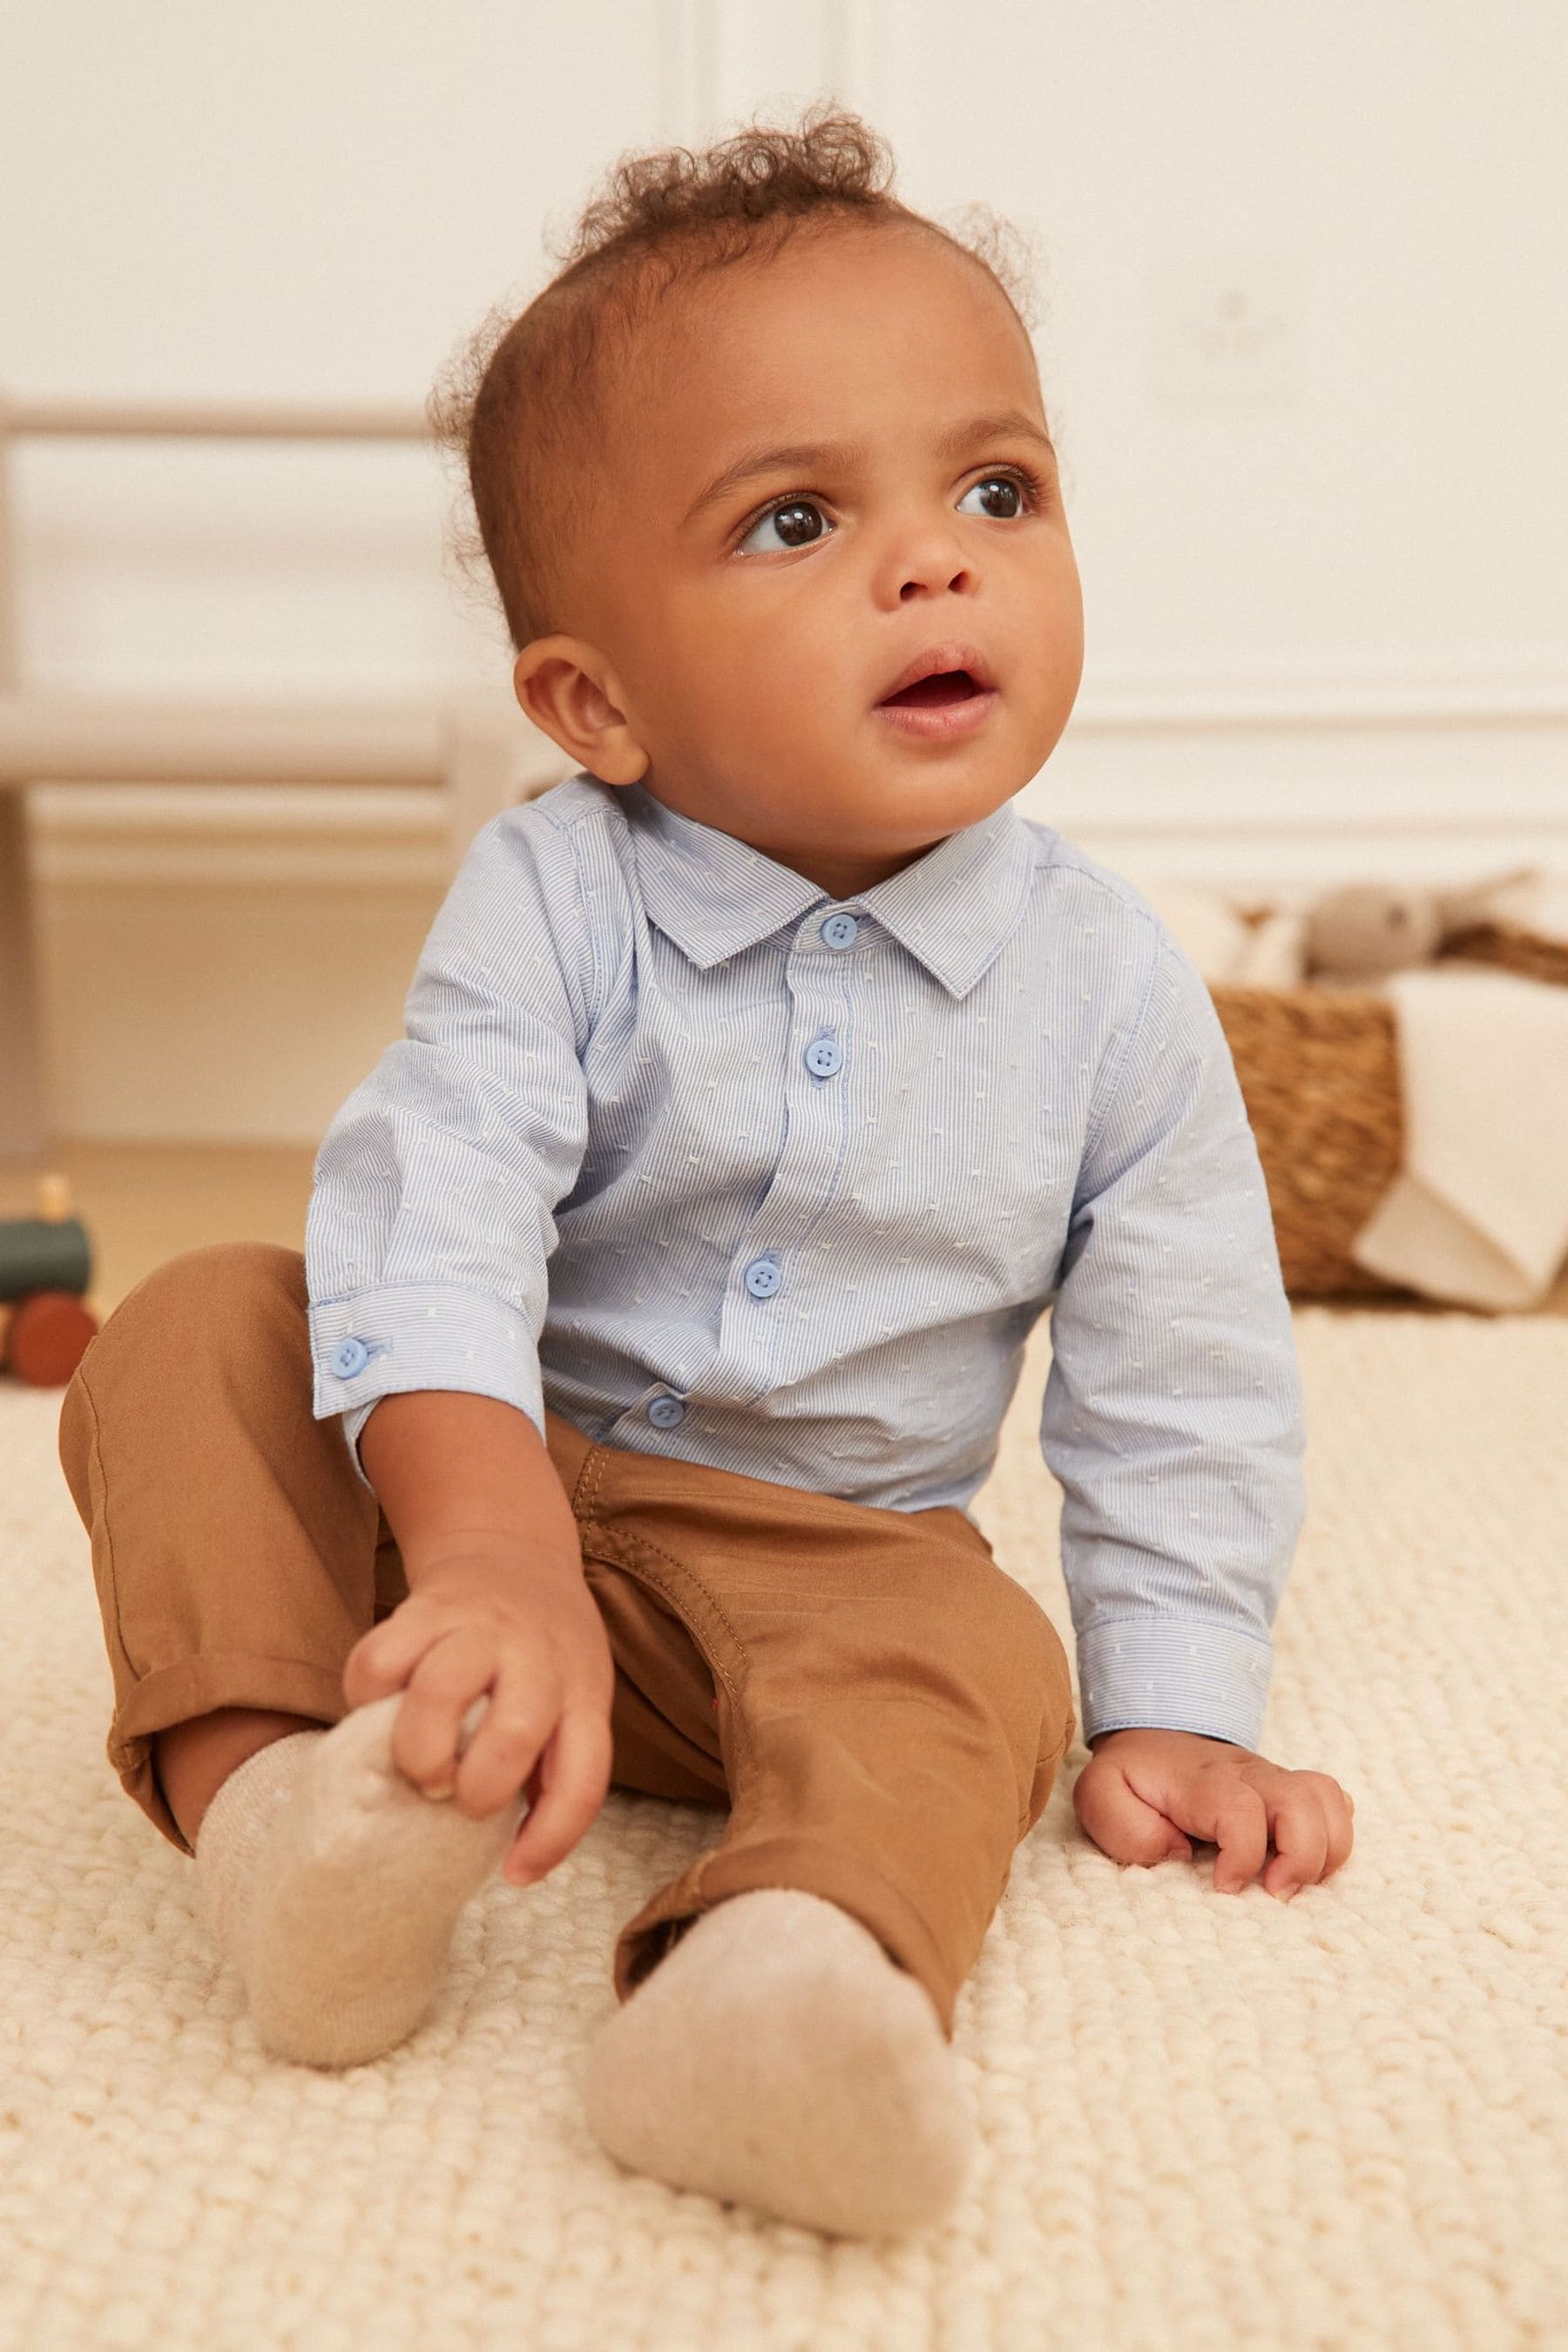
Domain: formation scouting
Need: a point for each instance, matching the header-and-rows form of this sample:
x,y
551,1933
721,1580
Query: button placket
x,y
758,1316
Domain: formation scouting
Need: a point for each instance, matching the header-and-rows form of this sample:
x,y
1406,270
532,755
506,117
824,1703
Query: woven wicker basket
x,y
1319,1069
1319,1074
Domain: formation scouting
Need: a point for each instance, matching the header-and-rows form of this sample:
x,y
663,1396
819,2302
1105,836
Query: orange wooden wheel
x,y
46,1338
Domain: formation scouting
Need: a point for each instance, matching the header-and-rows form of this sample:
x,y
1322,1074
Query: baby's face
x,y
827,578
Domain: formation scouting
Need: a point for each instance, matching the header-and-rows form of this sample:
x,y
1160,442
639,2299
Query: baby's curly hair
x,y
516,402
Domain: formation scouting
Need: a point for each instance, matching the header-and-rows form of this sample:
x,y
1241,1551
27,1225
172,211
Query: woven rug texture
x,y
1207,2122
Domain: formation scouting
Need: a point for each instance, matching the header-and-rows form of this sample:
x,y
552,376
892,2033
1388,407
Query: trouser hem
x,y
196,1685
838,1876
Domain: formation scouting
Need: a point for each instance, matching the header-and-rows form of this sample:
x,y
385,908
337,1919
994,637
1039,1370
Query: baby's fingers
x,y
1301,1839
1338,1807
1240,1827
573,1776
523,1711
1121,1822
382,1659
1313,1832
442,1703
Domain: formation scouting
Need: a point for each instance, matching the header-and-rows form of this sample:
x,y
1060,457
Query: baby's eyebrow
x,y
800,457
842,457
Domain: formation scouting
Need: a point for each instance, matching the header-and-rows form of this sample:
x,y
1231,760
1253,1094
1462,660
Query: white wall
x,y
1301,332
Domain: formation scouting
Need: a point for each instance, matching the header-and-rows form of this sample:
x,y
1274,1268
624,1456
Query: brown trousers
x,y
882,1708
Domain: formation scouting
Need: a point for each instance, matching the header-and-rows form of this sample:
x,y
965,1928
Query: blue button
x,y
823,1056
352,1356
665,1411
762,1277
839,931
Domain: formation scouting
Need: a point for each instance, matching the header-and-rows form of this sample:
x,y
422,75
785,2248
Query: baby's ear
x,y
566,687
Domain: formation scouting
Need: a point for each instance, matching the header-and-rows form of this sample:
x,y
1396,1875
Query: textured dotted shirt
x,y
719,1167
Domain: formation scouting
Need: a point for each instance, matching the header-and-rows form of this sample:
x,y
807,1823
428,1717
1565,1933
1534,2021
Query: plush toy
x,y
1357,934
46,1264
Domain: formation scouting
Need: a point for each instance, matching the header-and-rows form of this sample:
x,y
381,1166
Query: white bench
x,y
476,746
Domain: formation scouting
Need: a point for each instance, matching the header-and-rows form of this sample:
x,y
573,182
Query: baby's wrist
x,y
506,1565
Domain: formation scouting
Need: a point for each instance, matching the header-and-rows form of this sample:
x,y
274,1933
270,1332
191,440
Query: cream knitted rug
x,y
1207,2121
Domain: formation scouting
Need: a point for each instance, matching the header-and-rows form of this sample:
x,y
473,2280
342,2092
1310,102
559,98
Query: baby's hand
x,y
1145,1794
536,1645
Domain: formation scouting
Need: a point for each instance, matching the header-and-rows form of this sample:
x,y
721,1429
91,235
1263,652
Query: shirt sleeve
x,y
429,1223
1172,1410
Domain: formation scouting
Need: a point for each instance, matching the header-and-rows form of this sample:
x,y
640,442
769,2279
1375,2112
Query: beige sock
x,y
334,1884
777,2056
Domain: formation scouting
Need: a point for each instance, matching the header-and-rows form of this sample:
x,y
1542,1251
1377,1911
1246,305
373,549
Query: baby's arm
x,y
427,1237
1172,1420
430,1220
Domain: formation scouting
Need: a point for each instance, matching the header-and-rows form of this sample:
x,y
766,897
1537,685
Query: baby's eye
x,y
794,522
1000,497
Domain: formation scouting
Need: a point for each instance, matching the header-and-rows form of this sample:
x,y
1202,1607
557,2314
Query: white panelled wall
x,y
1301,323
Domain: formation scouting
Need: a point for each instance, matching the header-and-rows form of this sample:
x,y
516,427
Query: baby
x,y
664,1287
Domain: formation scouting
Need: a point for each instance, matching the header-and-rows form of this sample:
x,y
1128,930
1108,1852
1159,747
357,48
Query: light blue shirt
x,y
719,1167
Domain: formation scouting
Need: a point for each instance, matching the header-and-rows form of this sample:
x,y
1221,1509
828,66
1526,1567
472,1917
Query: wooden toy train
x,y
45,1265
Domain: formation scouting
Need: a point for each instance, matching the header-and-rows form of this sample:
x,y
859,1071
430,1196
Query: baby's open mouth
x,y
935,692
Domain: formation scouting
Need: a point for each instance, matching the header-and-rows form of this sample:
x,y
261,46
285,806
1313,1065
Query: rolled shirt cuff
x,y
418,1335
1175,1674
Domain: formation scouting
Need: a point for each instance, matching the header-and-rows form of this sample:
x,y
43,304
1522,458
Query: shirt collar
x,y
710,893
954,910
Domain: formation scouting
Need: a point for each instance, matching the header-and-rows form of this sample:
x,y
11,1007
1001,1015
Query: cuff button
x,y
349,1357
